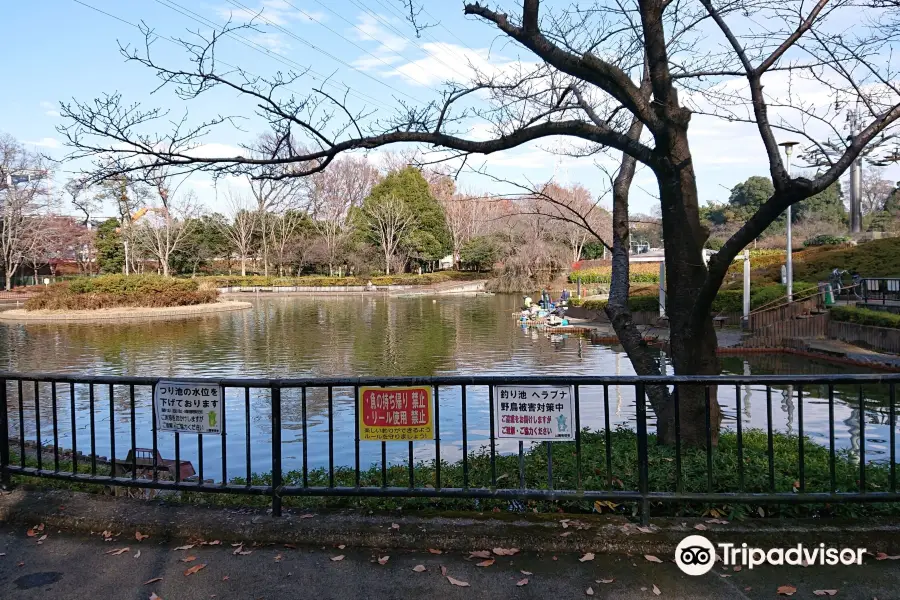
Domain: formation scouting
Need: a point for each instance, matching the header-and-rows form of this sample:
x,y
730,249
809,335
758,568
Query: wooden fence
x,y
882,339
773,335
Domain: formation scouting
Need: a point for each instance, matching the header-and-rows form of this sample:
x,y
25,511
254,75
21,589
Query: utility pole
x,y
854,120
788,150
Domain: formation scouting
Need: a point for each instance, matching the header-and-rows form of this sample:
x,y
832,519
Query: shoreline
x,y
130,313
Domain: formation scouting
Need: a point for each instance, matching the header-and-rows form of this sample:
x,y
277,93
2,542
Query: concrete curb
x,y
119,314
84,513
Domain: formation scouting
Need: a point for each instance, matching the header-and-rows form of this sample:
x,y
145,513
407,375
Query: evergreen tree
x,y
110,251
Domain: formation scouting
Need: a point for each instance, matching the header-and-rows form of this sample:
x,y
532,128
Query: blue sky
x,y
64,50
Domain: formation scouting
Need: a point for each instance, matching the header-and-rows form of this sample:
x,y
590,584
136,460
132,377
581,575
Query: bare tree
x,y
628,77
167,221
284,235
875,190
242,226
387,220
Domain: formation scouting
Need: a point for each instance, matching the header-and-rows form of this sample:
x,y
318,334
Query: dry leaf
x,y
825,592
140,536
589,591
587,557
724,575
700,527
306,516
194,569
522,582
237,544
786,590
394,526
278,558
568,533
30,533
118,552
604,580
153,596
188,547
337,558
479,554
656,590
419,568
883,556
435,551
645,529
154,580
137,554
737,568
443,570
342,546
457,582
526,572
652,558
225,578
761,512
506,551
384,560
188,559
485,563
290,546
212,543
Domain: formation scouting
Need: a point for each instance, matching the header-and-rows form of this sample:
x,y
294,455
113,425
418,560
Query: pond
x,y
367,336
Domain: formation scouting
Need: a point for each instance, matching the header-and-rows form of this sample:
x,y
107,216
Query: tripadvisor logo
x,y
696,555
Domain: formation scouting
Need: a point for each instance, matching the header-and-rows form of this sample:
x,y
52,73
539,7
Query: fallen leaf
x,y
153,596
443,570
737,568
188,559
883,556
394,526
237,544
225,578
140,536
419,568
566,534
290,546
526,572
154,580
278,558
656,590
188,547
337,558
194,569
40,527
825,592
652,558
457,582
137,554
645,529
384,560
215,542
42,538
723,575
30,533
700,527
341,547
506,551
118,552
786,590
604,580
717,521
761,512
479,554
485,563
21,564
435,551
589,591
587,557
522,582
239,551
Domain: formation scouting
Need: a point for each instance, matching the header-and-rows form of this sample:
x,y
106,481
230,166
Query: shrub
x,y
637,273
113,291
865,316
826,240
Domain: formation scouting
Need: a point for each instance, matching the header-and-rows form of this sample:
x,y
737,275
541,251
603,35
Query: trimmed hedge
x,y
726,301
826,240
114,291
322,281
865,316
637,273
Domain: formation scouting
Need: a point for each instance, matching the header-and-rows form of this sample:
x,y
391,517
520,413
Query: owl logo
x,y
561,423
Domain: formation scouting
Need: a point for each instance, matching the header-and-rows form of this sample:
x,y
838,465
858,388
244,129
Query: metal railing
x,y
43,414
882,289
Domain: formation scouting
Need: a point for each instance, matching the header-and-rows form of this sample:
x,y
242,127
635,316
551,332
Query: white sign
x,y
534,412
188,407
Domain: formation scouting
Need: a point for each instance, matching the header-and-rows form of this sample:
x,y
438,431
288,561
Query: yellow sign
x,y
395,414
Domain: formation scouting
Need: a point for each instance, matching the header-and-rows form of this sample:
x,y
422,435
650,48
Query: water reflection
x,y
350,336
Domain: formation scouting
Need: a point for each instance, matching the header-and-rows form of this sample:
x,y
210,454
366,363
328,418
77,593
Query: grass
x,y
115,291
323,281
623,476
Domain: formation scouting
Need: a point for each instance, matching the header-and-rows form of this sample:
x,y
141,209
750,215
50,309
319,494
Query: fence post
x,y
276,451
4,437
643,460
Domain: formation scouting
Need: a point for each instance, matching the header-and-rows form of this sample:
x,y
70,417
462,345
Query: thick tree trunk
x,y
8,280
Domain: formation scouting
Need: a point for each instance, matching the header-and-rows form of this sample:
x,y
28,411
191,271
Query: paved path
x,y
63,566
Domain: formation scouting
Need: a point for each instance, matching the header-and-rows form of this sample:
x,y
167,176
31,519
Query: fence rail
x,y
38,409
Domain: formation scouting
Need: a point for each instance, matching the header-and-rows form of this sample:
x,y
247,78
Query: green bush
x,y
865,316
715,243
113,291
826,240
324,281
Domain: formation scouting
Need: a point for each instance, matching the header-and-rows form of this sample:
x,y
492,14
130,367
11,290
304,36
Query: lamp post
x,y
788,150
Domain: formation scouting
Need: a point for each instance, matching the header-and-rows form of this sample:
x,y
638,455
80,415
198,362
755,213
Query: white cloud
x,y
216,150
46,142
271,41
445,62
274,12
370,29
52,113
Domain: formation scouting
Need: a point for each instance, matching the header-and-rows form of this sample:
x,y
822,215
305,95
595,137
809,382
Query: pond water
x,y
365,336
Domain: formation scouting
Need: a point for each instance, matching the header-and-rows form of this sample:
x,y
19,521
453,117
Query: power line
x,y
326,53
447,29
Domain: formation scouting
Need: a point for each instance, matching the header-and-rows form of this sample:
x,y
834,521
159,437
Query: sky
x,y
65,49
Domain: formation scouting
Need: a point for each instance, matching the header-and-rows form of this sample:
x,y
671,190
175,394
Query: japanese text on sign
x,y
534,412
188,407
395,414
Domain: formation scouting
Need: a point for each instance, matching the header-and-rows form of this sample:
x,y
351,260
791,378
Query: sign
x,y
534,412
188,407
395,414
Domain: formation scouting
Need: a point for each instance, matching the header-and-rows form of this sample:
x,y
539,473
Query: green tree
x,y
205,242
827,205
479,253
110,251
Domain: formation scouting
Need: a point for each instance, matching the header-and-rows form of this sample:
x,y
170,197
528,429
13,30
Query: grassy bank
x,y
865,316
594,476
323,281
116,291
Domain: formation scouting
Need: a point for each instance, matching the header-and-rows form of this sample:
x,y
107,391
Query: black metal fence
x,y
880,289
88,429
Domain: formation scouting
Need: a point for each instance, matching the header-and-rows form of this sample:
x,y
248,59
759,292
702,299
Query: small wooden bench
x,y
719,321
